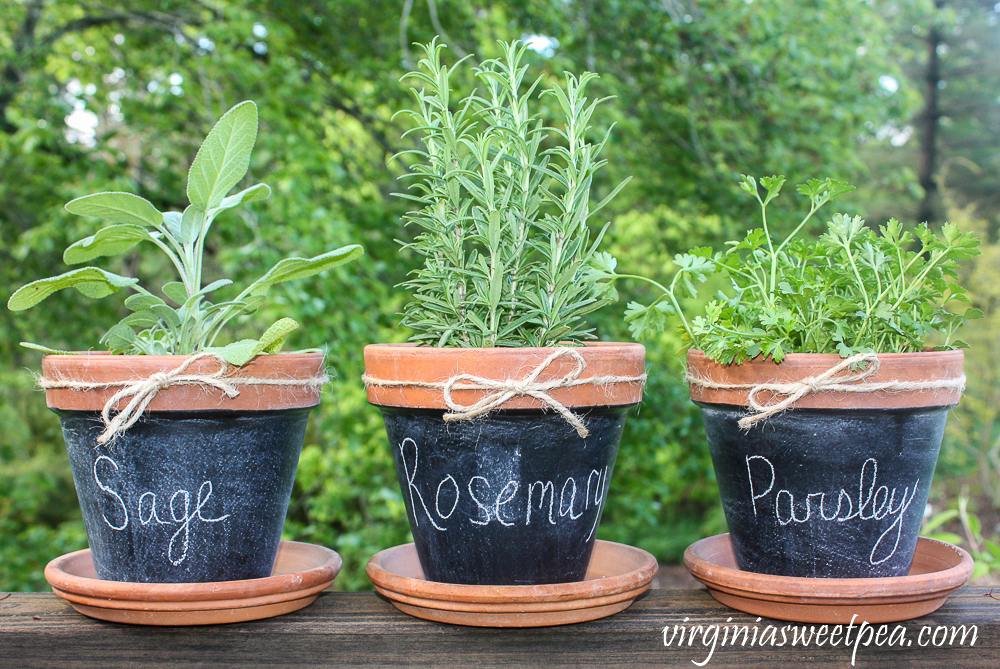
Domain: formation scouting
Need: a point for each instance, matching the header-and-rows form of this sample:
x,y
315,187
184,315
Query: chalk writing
x,y
483,509
874,503
546,486
112,493
179,508
572,500
411,488
437,498
501,500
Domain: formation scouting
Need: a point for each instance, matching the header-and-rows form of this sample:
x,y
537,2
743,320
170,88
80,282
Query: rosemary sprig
x,y
504,232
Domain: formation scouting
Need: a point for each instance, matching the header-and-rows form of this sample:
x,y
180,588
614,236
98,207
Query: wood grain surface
x,y
363,629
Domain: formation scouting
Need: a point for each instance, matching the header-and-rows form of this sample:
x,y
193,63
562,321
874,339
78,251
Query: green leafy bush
x,y
985,548
39,514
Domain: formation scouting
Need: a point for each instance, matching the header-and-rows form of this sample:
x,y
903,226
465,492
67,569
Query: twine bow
x,y
505,390
142,391
832,380
796,390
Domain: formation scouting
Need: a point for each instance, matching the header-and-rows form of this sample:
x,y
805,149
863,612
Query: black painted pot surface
x,y
831,493
185,496
511,499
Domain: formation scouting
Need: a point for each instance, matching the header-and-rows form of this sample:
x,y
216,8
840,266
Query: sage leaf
x,y
109,241
117,207
142,301
145,318
252,304
237,353
274,337
91,281
46,349
119,337
176,292
290,269
237,305
167,315
241,352
215,285
192,223
252,194
172,222
224,157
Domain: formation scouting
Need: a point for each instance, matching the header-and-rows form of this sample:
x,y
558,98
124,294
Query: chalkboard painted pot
x,y
197,490
513,497
836,485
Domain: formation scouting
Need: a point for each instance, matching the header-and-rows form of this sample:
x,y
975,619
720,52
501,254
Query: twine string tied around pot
x,y
502,391
142,391
832,380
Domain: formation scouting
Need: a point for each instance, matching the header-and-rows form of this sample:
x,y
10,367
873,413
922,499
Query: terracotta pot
x,y
514,497
836,485
197,490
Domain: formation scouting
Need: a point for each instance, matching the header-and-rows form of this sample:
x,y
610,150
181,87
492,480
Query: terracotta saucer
x,y
938,570
617,575
301,571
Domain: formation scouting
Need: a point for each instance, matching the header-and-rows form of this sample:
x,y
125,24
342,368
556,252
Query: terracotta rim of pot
x,y
102,367
427,364
903,367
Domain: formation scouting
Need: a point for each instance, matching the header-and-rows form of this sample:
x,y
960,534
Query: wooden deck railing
x,y
363,629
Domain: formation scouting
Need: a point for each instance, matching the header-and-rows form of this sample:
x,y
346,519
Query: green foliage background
x,y
705,91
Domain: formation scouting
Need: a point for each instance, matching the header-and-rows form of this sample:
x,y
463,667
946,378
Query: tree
x,y
951,61
709,90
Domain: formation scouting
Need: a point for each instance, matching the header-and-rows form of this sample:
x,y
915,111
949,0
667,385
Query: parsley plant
x,y
850,291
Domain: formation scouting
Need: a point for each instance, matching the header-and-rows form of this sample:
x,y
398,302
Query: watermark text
x,y
854,636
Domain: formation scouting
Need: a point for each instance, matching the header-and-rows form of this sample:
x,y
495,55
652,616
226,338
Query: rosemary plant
x,y
850,291
503,216
195,323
